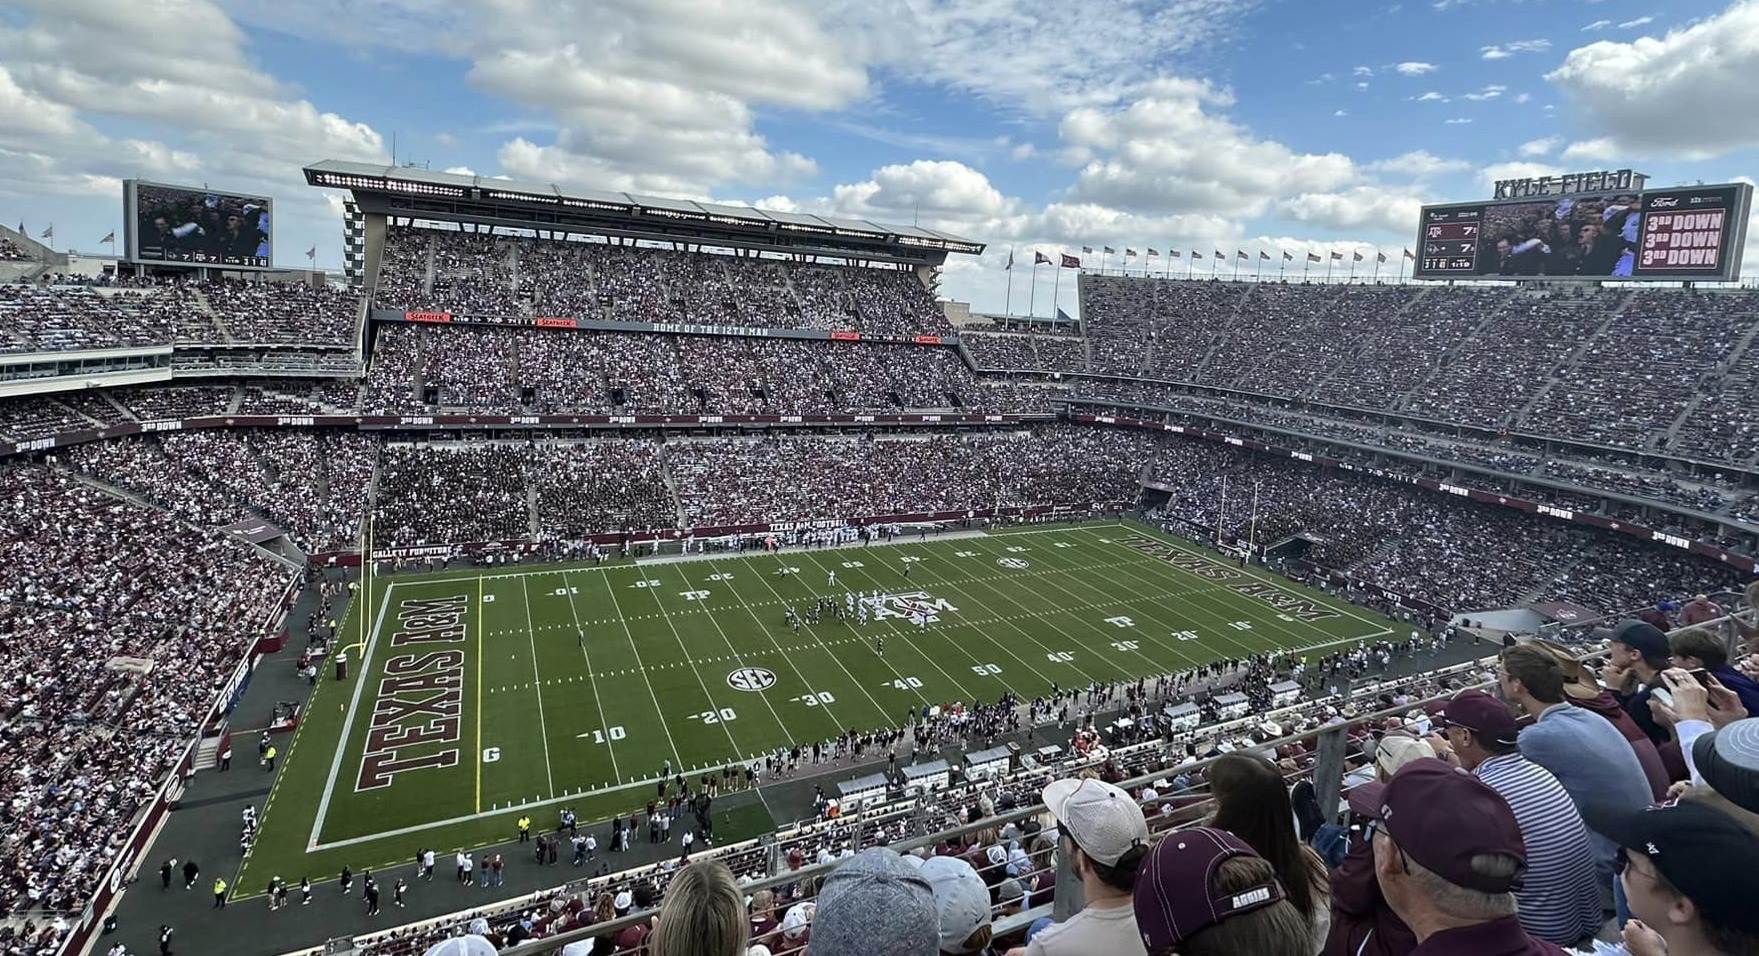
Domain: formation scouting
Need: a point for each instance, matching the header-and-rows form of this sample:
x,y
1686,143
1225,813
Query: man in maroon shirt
x,y
1449,856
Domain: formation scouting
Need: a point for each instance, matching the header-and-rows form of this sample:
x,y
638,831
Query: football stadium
x,y
582,568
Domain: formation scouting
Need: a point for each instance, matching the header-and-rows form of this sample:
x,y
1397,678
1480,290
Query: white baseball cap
x,y
622,900
960,897
1104,821
798,918
470,945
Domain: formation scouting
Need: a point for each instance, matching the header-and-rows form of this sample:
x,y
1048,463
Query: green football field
x,y
485,696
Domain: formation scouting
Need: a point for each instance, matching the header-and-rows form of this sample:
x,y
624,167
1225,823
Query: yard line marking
x,y
658,710
741,660
580,633
676,636
542,723
366,654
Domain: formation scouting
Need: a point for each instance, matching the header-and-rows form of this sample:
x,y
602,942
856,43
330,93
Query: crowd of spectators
x,y
142,313
593,487
1011,351
439,494
626,373
1466,556
1638,370
475,273
12,252
117,626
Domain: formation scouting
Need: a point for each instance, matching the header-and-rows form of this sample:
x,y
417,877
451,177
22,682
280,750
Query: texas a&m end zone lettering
x,y
420,698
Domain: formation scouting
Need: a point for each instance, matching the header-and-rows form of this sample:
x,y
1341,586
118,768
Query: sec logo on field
x,y
751,679
1016,564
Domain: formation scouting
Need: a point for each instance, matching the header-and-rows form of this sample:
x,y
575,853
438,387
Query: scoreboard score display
x,y
1692,232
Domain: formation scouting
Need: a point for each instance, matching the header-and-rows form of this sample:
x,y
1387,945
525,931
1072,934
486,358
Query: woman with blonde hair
x,y
703,915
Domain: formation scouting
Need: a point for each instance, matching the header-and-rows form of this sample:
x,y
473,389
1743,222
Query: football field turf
x,y
484,696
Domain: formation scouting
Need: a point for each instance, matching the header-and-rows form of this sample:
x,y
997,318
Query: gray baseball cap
x,y
875,904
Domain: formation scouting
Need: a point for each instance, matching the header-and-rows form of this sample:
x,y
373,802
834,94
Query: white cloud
x,y
1459,121
1432,97
1415,68
1601,150
1359,208
1168,150
1362,71
1507,50
1540,147
1657,97
177,76
1418,165
1341,113
1633,24
1022,152
1597,25
1488,93
1524,97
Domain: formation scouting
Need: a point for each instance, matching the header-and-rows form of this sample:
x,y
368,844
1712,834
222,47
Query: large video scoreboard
x,y
1539,229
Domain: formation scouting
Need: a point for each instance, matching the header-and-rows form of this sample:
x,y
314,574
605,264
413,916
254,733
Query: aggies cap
x,y
1175,897
1482,714
1104,821
1442,817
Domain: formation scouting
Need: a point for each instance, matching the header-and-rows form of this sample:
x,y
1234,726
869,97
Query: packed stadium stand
x,y
1629,405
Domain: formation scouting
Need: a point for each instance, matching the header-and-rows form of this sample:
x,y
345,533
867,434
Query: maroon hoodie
x,y
1361,922
1654,769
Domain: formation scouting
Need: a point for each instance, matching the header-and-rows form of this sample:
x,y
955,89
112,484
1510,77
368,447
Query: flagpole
x,y
1328,263
1377,258
1191,264
1284,268
1057,287
1353,266
1307,267
1221,513
1032,299
1009,308
1252,526
1105,256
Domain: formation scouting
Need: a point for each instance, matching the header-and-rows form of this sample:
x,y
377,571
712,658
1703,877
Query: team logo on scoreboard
x,y
1014,564
752,679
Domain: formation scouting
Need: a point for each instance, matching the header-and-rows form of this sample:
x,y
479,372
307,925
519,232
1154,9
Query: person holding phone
x,y
1694,709
1701,652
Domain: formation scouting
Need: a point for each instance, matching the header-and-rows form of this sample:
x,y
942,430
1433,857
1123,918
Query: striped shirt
x,y
1559,900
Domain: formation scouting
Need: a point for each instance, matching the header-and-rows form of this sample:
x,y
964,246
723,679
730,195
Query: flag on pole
x,y
1313,257
1356,256
1263,255
108,237
1241,254
1288,256
1196,255
1218,254
1109,250
1380,257
1010,266
1071,262
1337,257
1129,253
312,253
1172,253
49,233
1040,259
1408,254
1152,254
1087,250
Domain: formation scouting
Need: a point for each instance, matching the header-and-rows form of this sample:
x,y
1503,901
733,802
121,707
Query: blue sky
x,y
1182,124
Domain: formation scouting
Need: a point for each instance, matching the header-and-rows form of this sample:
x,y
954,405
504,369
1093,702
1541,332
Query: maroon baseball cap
x,y
1442,817
1175,887
1483,715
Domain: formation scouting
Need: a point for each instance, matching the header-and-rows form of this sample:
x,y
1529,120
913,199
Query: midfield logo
x,y
913,605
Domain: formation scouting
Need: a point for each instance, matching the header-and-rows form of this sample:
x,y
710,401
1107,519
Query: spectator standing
x,y
1639,653
1105,836
703,914
874,904
1558,898
1448,854
1586,755
962,900
1700,610
1697,649
1252,803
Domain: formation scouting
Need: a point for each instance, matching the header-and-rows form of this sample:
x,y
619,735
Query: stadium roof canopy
x,y
411,191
